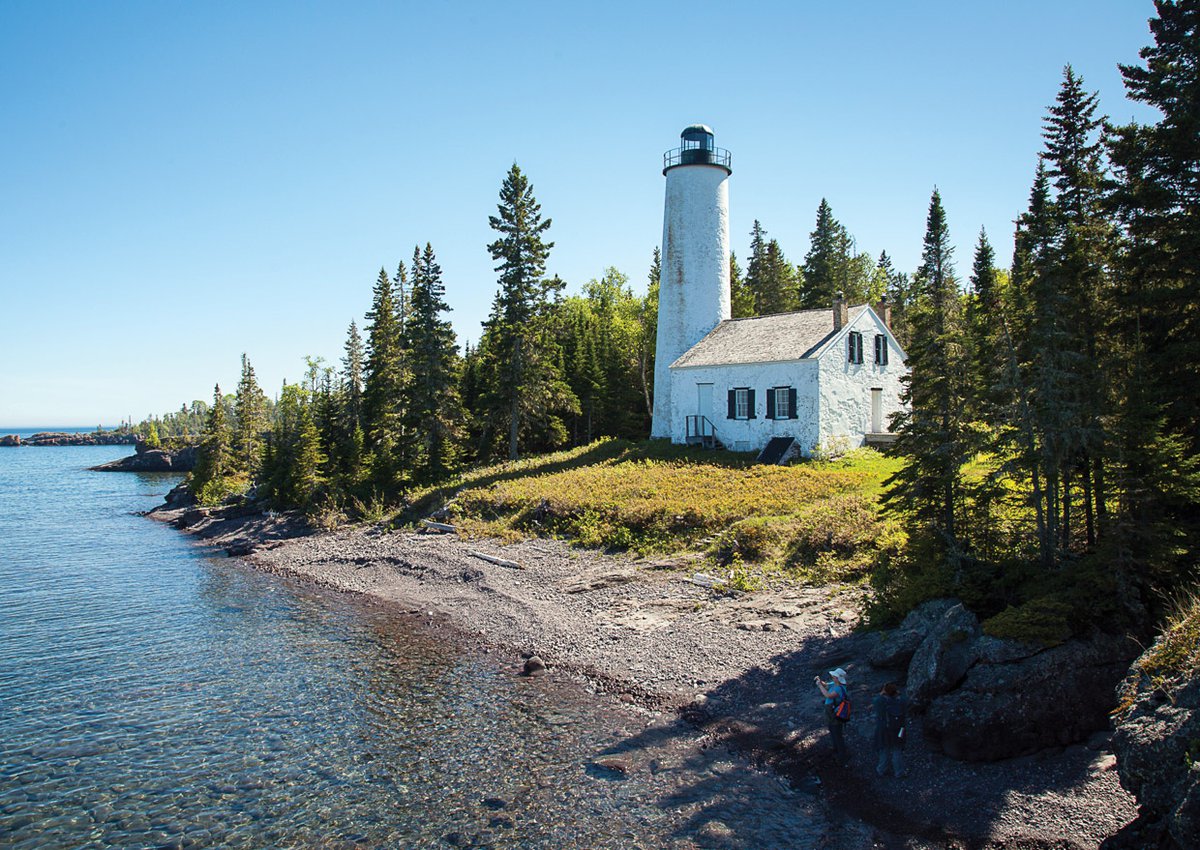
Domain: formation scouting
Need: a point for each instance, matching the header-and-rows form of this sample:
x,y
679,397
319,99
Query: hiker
x,y
837,711
890,709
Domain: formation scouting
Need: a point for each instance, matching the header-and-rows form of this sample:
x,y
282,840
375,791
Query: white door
x,y
876,410
704,408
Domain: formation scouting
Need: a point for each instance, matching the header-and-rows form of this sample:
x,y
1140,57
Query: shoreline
x,y
738,669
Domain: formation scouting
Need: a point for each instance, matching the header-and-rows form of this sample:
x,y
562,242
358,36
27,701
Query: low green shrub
x,y
1045,621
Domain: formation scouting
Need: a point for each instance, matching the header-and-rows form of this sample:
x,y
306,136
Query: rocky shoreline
x,y
737,668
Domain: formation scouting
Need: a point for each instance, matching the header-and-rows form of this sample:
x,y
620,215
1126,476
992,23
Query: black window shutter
x,y
732,404
750,404
771,404
792,403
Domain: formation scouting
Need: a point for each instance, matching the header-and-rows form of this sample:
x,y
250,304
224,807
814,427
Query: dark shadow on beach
x,y
774,716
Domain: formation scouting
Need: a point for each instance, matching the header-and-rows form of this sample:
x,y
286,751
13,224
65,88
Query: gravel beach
x,y
709,669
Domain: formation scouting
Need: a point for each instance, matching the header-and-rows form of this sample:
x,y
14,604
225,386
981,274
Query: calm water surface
x,y
153,695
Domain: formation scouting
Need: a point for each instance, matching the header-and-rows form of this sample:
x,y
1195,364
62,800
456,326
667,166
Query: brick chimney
x,y
884,310
841,313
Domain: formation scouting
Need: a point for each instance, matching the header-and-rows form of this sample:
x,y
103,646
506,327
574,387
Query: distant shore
x,y
71,438
738,668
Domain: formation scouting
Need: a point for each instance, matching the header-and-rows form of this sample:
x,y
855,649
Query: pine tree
x,y
820,267
384,382
741,297
983,311
209,479
249,410
432,404
648,334
526,390
1156,198
932,434
756,268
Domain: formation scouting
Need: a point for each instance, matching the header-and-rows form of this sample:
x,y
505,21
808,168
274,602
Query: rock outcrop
x,y
944,656
10,440
1157,743
153,460
984,699
1016,699
89,438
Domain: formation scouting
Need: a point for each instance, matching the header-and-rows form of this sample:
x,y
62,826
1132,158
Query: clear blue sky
x,y
181,183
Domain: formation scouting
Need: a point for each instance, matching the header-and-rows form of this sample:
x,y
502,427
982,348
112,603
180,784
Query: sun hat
x,y
839,674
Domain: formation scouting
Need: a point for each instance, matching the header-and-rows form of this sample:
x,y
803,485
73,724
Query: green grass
x,y
820,520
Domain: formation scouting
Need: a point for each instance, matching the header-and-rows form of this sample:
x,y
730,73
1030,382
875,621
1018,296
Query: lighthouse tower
x,y
693,294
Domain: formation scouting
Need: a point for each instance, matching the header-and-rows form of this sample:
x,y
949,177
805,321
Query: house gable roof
x,y
781,337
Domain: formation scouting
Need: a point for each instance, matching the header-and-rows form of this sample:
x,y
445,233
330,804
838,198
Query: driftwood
x,y
492,559
430,525
706,580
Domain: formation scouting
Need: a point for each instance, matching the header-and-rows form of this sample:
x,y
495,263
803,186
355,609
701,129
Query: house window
x,y
741,403
854,347
781,403
881,349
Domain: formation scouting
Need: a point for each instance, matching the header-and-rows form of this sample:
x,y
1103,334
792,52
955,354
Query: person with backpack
x,y
837,711
890,710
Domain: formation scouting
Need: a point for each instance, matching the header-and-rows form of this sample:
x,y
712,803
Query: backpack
x,y
841,710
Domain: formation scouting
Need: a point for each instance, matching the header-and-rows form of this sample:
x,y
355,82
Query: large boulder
x,y
10,440
1015,700
894,649
944,656
1157,744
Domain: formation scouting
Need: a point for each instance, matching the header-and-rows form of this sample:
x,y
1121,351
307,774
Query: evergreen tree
x,y
525,391
822,277
249,409
432,405
756,269
1156,198
648,334
384,381
983,312
741,297
209,479
933,437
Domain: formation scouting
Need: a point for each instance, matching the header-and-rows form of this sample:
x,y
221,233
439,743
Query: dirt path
x,y
738,668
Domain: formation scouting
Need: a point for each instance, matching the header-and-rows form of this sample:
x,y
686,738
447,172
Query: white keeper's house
x,y
798,380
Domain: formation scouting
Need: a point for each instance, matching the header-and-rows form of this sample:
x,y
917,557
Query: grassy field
x,y
813,520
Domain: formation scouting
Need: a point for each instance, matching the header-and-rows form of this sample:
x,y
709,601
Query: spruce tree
x,y
932,437
249,410
214,466
821,267
1156,197
648,333
741,297
384,381
526,390
432,404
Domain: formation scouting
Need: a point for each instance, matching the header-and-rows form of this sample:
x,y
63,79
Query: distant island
x,y
119,437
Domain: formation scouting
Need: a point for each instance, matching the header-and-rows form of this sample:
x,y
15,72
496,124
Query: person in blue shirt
x,y
835,694
890,709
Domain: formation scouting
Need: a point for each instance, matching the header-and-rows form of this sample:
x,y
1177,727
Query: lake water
x,y
153,694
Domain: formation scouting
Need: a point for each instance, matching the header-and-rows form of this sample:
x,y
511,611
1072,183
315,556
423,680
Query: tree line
x,y
1052,432
405,408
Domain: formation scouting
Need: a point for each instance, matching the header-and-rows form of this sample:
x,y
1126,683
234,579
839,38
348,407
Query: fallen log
x,y
492,559
430,525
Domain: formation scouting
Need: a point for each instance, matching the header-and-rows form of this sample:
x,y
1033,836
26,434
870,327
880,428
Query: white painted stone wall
x,y
833,396
845,388
693,294
749,434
